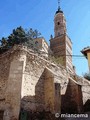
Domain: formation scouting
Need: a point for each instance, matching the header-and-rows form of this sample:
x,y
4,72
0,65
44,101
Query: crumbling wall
x,y
11,76
86,95
13,93
23,83
49,91
33,89
71,101
85,89
4,73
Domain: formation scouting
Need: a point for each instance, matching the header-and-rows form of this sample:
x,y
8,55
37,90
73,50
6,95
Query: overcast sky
x,y
39,14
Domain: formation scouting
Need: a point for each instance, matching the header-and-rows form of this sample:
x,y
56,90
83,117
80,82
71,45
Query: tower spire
x,y
59,8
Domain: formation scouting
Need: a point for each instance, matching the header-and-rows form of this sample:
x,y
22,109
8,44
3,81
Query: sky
x,y
39,14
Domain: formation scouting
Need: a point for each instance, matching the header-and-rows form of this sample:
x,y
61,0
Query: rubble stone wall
x,y
24,84
4,73
35,86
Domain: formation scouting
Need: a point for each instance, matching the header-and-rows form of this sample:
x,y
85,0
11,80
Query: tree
x,y
32,34
19,36
87,76
3,41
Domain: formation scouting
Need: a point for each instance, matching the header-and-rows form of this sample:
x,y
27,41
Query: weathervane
x,y
58,4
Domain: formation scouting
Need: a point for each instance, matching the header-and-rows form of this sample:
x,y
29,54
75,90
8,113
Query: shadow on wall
x,y
29,115
1,114
72,101
33,107
87,106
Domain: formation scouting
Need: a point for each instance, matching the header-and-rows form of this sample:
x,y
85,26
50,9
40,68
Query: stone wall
x,y
11,76
33,88
71,100
33,83
4,73
86,95
13,91
49,91
85,88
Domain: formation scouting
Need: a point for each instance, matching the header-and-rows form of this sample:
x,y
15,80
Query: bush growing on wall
x,y
19,36
87,76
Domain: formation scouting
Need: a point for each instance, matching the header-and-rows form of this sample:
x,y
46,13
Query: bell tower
x,y
61,44
59,22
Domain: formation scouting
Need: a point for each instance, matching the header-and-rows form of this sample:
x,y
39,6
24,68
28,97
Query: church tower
x,y
61,44
59,23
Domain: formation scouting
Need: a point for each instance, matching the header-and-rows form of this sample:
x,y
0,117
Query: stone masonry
x,y
32,83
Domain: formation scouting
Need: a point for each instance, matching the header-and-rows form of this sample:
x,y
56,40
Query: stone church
x,y
33,87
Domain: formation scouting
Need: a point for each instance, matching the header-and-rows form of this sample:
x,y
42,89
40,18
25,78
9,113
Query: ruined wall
x,y
49,91
11,76
13,92
86,91
33,89
85,88
32,85
71,101
28,86
4,73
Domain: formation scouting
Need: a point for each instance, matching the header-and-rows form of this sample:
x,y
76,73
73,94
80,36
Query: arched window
x,y
58,23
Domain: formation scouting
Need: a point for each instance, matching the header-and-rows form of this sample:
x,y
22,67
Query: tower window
x,y
58,23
